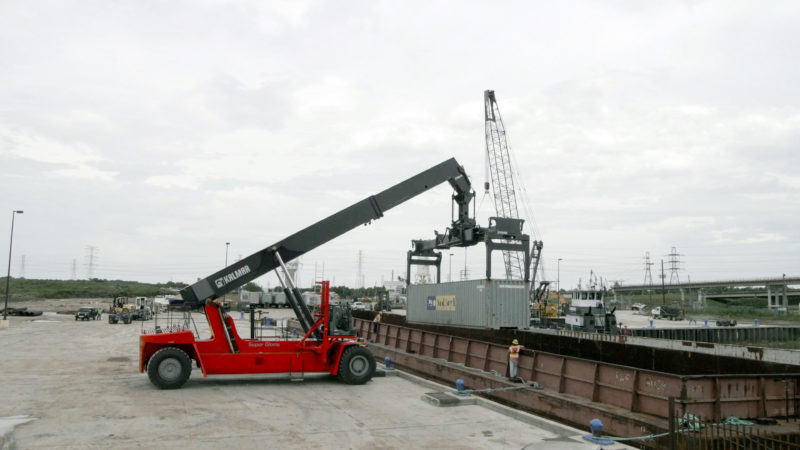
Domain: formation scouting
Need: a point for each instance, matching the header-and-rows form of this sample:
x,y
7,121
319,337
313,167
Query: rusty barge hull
x,y
611,349
632,395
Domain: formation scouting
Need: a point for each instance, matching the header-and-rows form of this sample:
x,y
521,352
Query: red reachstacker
x,y
167,357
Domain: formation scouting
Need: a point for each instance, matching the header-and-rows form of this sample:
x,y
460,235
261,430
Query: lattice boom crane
x,y
503,189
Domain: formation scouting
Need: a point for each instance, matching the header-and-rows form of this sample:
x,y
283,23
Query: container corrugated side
x,y
510,307
472,304
249,297
273,298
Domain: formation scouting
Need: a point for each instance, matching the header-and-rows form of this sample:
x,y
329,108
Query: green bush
x,y
54,289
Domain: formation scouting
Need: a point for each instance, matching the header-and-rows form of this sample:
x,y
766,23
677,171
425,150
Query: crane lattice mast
x,y
499,165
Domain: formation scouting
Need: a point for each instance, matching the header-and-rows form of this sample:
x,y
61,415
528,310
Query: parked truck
x,y
87,313
666,312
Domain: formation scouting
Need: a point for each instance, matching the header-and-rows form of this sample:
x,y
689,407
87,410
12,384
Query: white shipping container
x,y
249,297
273,299
491,304
312,299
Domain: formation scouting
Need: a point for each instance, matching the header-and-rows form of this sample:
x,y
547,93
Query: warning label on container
x,y
441,302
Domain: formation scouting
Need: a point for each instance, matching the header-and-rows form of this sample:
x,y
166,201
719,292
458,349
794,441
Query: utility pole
x,y
465,274
450,270
360,270
663,289
558,276
8,275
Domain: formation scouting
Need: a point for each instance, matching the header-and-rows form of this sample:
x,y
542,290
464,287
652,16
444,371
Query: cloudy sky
x,y
157,131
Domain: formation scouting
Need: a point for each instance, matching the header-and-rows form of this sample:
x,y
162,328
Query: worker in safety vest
x,y
376,322
513,358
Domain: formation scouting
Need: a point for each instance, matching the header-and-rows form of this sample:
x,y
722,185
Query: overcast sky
x,y
157,131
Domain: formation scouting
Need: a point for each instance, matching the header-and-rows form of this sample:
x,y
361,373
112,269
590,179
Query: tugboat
x,y
587,311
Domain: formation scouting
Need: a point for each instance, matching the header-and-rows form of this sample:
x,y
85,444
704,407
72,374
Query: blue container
x,y
755,322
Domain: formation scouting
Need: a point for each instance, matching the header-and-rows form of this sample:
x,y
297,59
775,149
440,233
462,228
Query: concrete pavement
x,y
71,384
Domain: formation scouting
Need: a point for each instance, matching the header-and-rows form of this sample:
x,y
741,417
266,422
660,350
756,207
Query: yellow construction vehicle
x,y
121,311
550,306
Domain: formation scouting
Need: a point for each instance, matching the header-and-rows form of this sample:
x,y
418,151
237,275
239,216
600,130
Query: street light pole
x,y
227,244
558,275
663,291
8,274
450,271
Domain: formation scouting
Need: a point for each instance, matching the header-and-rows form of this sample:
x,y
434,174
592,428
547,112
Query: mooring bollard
x,y
596,425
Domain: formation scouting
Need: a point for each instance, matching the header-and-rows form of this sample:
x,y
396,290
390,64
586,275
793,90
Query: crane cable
x,y
531,223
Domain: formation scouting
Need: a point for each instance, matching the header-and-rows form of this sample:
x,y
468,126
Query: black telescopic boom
x,y
363,212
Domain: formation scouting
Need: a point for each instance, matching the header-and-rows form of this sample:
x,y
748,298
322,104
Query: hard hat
x,y
515,342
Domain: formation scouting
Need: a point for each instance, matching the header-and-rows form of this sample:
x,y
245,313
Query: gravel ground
x,y
62,305
76,384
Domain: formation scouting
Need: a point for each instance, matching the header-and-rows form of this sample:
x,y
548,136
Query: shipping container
x,y
274,299
312,299
249,297
490,304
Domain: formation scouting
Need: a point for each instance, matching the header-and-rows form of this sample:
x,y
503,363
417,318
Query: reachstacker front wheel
x,y
357,365
169,368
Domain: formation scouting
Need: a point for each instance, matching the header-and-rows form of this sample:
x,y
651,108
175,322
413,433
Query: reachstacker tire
x,y
169,368
357,365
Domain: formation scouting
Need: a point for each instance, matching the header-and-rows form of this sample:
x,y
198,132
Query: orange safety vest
x,y
514,349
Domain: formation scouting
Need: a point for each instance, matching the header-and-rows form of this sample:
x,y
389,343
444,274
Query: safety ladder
x,y
226,327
